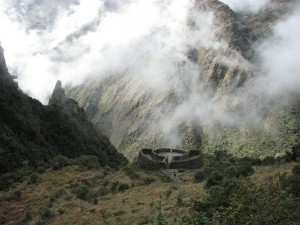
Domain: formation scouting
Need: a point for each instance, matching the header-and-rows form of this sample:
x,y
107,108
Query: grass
x,y
135,205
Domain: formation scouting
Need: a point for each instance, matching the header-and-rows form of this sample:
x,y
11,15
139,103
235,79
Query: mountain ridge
x,y
134,115
33,134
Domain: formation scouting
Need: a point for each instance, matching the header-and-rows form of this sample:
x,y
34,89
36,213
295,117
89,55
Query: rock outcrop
x,y
32,134
133,116
58,95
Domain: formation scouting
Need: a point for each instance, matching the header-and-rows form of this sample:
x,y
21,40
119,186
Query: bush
x,y
215,178
148,180
40,169
199,175
88,161
46,213
33,178
114,186
82,191
8,179
242,202
296,169
245,169
232,171
123,187
292,184
59,162
131,173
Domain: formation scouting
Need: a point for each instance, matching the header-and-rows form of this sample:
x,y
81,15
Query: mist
x,y
76,40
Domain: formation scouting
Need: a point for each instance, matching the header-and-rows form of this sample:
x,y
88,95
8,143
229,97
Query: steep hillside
x,y
135,197
210,100
32,134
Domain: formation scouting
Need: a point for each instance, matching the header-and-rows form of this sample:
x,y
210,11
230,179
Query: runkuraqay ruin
x,y
169,158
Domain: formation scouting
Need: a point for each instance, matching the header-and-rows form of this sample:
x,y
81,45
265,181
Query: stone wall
x,y
191,163
150,159
145,160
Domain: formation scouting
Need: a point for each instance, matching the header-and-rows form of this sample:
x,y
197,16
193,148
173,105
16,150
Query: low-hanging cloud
x,y
75,40
280,56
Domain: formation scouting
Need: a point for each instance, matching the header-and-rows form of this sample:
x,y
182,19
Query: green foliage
x,y
238,201
199,175
82,191
33,133
8,179
33,178
123,187
88,161
179,200
159,219
40,169
59,162
131,173
296,169
114,186
148,180
215,178
46,213
221,166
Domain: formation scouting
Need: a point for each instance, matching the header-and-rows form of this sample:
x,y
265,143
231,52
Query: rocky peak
x,y
3,67
58,95
70,105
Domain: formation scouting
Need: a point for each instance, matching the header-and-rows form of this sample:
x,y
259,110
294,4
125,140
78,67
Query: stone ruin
x,y
167,158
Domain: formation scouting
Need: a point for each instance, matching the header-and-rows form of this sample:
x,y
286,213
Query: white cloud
x,y
146,39
280,56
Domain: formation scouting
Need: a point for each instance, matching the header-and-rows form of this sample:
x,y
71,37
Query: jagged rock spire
x,y
58,94
3,67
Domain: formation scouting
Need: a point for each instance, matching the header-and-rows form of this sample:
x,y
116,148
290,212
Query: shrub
x,y
131,173
232,171
148,180
245,169
123,187
33,178
88,161
82,191
114,186
8,179
46,213
40,169
242,202
292,184
296,169
199,175
59,162
215,178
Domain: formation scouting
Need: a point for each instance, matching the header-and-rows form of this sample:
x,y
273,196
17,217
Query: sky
x,y
72,40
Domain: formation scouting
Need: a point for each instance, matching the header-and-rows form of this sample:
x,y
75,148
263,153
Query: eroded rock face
x,y
58,95
133,116
33,133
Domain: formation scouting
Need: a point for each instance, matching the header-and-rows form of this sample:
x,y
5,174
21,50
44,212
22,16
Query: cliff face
x,y
133,115
31,133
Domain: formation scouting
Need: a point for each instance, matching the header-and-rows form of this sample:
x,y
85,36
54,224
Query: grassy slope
x,y
129,207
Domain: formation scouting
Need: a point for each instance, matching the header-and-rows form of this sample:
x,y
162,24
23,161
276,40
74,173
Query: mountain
x,y
32,134
213,99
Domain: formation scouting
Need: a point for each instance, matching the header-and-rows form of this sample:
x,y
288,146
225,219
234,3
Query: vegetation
x,y
60,194
33,134
220,166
